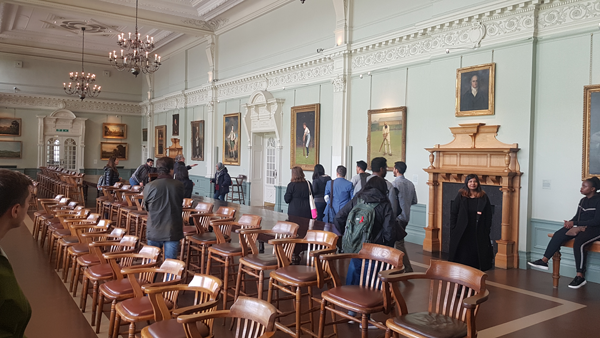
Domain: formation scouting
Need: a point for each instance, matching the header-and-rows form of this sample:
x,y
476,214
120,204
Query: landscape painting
x,y
114,130
120,150
10,126
10,149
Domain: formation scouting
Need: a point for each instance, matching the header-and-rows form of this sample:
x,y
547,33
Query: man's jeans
x,y
171,248
133,181
218,196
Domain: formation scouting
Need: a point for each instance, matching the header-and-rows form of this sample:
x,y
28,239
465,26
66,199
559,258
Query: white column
x,y
41,142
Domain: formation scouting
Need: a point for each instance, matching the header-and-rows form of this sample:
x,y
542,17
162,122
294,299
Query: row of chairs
x,y
55,180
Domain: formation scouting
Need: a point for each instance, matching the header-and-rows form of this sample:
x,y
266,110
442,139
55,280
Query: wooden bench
x,y
594,247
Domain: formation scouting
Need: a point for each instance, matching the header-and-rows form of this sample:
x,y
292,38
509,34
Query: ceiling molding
x,y
73,104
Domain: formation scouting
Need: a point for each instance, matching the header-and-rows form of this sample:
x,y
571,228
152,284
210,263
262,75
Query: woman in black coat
x,y
111,174
470,225
319,182
297,194
182,175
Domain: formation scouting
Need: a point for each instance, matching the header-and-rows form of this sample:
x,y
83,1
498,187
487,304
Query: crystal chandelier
x,y
135,52
83,83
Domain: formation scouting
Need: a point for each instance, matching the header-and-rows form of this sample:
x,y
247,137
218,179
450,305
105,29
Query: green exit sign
x,y
63,130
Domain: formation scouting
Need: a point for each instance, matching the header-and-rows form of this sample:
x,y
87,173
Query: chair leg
x,y
225,283
99,312
112,318
117,327
132,330
74,266
238,283
66,264
84,292
94,300
78,272
298,312
322,319
365,326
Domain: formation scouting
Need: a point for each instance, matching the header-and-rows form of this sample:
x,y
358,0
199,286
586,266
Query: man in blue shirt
x,y
342,193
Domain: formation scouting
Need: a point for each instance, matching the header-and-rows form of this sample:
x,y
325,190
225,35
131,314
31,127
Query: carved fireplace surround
x,y
475,150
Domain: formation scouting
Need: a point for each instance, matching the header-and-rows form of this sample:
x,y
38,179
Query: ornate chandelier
x,y
84,83
135,52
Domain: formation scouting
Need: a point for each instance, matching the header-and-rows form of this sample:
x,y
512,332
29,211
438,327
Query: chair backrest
x,y
223,229
318,240
138,199
171,270
255,317
376,258
450,284
136,188
282,229
188,202
226,211
147,255
204,207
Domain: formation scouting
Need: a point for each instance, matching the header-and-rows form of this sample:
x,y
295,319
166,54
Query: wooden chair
x,y
200,208
368,296
134,217
120,288
292,278
139,308
63,229
197,245
256,318
119,202
124,209
42,212
188,202
237,189
455,293
255,264
206,293
107,200
225,252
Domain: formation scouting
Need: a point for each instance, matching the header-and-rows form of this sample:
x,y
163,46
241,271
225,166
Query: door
x,y
256,186
269,194
61,151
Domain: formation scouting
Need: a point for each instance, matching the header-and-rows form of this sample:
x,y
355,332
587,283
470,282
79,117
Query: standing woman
x,y
319,183
470,224
297,194
182,175
584,227
111,174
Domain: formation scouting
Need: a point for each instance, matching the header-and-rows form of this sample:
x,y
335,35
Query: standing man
x,y
385,132
474,98
306,138
140,175
180,160
407,196
359,180
337,195
379,168
163,199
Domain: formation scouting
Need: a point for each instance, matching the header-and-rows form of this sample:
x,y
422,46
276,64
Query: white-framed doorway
x,y
270,169
61,140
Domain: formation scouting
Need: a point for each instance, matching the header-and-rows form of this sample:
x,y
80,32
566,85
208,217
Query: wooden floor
x,y
522,302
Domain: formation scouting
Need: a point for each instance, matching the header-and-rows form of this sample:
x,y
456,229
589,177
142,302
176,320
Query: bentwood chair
x,y
120,288
225,252
206,293
255,264
455,293
368,296
139,308
291,279
77,239
255,319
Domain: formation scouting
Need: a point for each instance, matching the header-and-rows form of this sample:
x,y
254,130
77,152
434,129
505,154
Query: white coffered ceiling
x,y
53,28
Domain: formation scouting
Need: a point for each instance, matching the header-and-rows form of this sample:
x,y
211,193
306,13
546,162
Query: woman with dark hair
x,y
470,225
111,174
297,194
182,175
584,227
319,183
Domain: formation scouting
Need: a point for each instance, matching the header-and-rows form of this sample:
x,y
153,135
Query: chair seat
x,y
56,227
189,230
260,260
355,295
171,329
204,237
100,271
79,249
65,240
117,288
62,233
432,325
87,260
138,307
138,213
227,248
296,273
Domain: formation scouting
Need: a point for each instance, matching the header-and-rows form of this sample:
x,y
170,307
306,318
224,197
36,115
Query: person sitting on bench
x,y
584,227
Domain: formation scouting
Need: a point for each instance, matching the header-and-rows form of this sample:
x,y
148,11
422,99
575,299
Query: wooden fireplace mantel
x,y
475,150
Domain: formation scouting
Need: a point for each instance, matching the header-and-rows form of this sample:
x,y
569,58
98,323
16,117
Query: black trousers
x,y
582,239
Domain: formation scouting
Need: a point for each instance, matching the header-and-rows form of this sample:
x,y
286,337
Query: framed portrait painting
x,y
108,149
231,138
160,147
114,130
145,135
10,126
304,150
475,90
591,132
198,140
386,136
175,124
11,149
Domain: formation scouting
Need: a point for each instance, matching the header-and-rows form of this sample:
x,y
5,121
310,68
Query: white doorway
x,y
61,151
256,188
61,140
270,167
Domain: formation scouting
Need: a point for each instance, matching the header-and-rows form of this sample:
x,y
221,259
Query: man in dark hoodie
x,y
222,182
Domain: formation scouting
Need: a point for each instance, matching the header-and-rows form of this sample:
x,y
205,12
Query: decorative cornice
x,y
53,103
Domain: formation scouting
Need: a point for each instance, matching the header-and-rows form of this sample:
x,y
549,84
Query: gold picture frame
x,y
10,126
120,149
114,130
591,132
231,138
387,124
482,103
304,151
11,150
160,141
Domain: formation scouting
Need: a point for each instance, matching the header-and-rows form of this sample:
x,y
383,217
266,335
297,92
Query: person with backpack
x,y
359,180
111,174
222,182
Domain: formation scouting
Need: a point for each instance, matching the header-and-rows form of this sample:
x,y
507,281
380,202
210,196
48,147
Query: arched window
x,y
70,155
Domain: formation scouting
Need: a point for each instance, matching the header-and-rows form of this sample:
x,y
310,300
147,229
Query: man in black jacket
x,y
163,199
